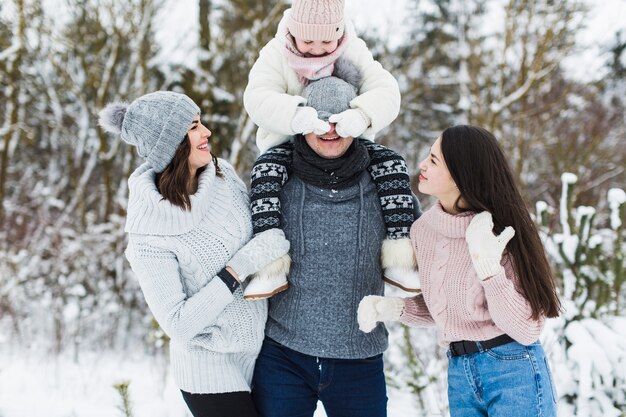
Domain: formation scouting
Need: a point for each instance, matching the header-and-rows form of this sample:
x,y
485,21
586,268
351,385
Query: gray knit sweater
x,y
215,335
335,236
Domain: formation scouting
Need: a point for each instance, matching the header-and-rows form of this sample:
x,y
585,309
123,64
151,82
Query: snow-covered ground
x,y
36,385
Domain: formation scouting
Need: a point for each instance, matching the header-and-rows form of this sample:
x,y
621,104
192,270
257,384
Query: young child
x,y
311,38
487,293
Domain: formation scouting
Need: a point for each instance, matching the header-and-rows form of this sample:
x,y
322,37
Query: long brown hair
x,y
482,173
172,182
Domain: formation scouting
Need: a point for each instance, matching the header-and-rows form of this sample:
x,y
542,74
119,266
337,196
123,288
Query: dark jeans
x,y
229,404
287,383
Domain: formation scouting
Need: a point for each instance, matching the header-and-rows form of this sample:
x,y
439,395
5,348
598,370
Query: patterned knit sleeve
x,y
416,313
391,176
180,316
269,173
508,308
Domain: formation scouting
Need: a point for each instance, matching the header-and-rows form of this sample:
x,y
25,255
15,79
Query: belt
x,y
465,347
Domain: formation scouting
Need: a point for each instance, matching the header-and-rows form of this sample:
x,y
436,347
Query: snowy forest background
x,y
76,338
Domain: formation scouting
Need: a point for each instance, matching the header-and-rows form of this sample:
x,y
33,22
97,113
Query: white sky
x,y
386,19
605,18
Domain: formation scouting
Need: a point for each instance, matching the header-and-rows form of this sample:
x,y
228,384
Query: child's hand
x,y
350,123
306,121
485,247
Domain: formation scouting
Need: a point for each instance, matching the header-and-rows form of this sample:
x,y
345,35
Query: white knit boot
x,y
399,265
270,280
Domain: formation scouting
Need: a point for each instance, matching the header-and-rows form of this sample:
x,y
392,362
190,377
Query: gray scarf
x,y
338,173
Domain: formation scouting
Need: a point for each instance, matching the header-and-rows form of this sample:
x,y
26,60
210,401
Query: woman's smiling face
x,y
200,154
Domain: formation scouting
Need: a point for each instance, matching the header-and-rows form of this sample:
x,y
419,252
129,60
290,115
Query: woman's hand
x,y
486,248
262,249
374,308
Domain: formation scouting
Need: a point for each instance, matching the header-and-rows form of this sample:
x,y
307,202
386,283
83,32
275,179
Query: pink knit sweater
x,y
453,298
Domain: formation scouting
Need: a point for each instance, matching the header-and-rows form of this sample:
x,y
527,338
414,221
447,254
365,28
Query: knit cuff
x,y
497,284
416,312
228,279
397,308
487,268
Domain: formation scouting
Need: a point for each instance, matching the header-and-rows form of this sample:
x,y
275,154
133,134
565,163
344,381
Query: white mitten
x,y
306,121
350,123
484,246
374,308
262,249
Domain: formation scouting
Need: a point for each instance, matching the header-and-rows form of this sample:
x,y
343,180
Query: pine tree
x,y
427,68
496,65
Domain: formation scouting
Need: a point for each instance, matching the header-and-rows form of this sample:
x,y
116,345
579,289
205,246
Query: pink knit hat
x,y
316,20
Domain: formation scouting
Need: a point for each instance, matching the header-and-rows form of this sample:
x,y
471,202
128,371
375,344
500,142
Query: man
x,y
331,214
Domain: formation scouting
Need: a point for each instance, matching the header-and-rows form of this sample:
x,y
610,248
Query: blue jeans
x,y
511,380
287,383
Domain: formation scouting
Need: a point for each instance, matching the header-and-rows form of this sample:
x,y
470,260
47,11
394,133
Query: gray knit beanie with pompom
x,y
332,95
155,123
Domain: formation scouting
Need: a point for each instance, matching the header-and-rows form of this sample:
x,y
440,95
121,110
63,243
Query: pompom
x,y
112,117
347,71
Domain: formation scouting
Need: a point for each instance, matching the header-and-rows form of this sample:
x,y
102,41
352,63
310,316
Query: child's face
x,y
315,48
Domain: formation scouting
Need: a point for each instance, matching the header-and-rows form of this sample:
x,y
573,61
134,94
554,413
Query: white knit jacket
x,y
176,254
273,91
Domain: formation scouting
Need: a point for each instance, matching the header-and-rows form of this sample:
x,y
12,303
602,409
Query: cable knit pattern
x,y
215,334
454,299
335,238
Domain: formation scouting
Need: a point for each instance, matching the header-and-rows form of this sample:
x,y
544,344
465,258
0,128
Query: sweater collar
x,y
149,214
450,225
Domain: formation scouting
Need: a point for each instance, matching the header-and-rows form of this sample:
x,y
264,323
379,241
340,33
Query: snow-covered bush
x,y
589,356
73,287
415,364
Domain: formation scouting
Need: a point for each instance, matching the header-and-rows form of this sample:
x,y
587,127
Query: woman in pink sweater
x,y
486,288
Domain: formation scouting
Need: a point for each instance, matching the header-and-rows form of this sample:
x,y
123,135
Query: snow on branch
x,y
6,54
567,179
498,106
616,197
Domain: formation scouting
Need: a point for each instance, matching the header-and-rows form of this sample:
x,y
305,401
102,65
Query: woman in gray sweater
x,y
189,245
